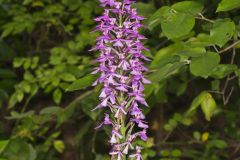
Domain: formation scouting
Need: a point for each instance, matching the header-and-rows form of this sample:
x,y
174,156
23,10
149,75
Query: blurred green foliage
x,y
46,96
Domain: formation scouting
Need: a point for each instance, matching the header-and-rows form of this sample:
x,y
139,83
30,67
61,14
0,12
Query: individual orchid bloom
x,y
116,152
120,109
116,135
107,121
128,144
142,134
137,155
121,69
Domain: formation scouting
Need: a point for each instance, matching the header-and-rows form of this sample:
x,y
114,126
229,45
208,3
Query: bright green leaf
x,y
203,66
208,106
222,31
16,115
192,52
57,96
176,153
196,135
18,149
197,101
32,153
165,153
3,144
223,70
67,77
166,55
202,40
82,83
50,110
165,72
155,19
59,145
20,96
227,5
205,136
191,7
176,24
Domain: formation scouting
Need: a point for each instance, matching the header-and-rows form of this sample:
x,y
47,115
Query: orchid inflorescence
x,y
121,74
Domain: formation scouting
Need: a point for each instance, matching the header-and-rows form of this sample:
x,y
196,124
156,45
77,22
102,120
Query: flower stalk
x,y
121,71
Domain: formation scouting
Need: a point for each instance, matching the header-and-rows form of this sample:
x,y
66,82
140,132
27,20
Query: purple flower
x,y
106,121
137,155
121,70
115,135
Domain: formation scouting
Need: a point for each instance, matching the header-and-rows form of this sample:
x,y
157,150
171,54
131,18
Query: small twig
x,y
233,77
167,136
204,18
230,47
226,99
229,78
215,48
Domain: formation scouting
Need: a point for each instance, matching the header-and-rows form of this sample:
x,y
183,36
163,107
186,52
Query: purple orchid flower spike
x,y
121,71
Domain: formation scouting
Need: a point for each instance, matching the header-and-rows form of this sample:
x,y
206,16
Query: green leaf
x,y
145,9
221,144
18,149
13,100
196,102
155,19
176,24
37,4
202,40
26,87
192,52
176,153
26,2
165,153
208,106
191,7
165,72
57,96
222,31
67,77
166,55
215,85
227,5
3,145
203,66
50,110
207,103
32,152
223,70
59,145
196,135
16,115
82,83
20,95
8,30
